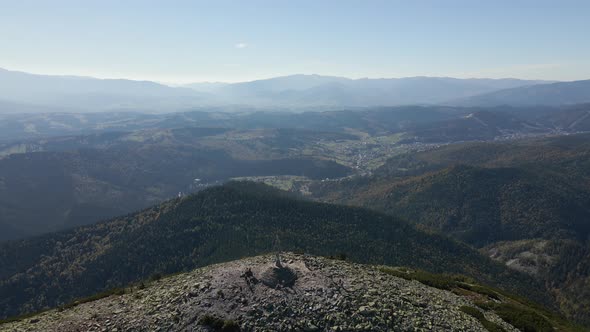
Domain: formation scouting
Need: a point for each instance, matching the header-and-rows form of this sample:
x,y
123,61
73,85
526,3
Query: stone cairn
x,y
277,275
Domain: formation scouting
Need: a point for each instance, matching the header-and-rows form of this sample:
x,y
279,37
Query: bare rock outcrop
x,y
306,293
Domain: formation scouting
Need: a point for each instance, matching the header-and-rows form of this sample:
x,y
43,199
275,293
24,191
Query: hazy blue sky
x,y
182,41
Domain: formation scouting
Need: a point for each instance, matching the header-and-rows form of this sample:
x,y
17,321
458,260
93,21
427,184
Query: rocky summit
x,y
301,293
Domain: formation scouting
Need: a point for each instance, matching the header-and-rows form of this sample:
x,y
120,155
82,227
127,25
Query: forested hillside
x,y
422,122
220,224
496,195
80,180
127,161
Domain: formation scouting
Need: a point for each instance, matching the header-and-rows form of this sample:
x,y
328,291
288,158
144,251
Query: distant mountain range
x,y
330,91
70,93
29,93
561,93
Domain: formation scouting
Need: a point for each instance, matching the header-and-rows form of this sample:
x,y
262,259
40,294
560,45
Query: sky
x,y
175,41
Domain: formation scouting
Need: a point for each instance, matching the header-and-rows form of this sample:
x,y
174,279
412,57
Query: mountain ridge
x,y
523,203
294,91
325,295
560,93
218,224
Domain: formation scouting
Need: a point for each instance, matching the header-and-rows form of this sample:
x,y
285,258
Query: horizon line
x,y
196,81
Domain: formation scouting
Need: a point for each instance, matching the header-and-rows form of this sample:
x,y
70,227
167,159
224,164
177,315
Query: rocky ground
x,y
327,295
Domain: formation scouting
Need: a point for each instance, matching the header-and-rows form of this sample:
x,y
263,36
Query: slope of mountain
x,y
561,93
481,125
111,172
575,118
374,121
485,205
496,195
308,90
561,263
219,224
8,107
80,180
206,87
85,93
279,85
318,294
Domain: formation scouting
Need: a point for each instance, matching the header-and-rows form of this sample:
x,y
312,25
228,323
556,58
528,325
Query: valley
x,y
113,172
421,169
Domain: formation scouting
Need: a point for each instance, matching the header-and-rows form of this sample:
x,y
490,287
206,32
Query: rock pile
x,y
278,276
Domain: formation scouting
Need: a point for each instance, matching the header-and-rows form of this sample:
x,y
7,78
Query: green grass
x,y
446,282
524,319
110,292
515,310
483,290
21,317
490,326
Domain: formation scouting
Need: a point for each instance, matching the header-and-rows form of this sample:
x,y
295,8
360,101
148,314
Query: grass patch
x,y
155,277
483,290
450,282
114,291
110,292
433,280
338,257
490,326
21,317
523,319
443,281
515,310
